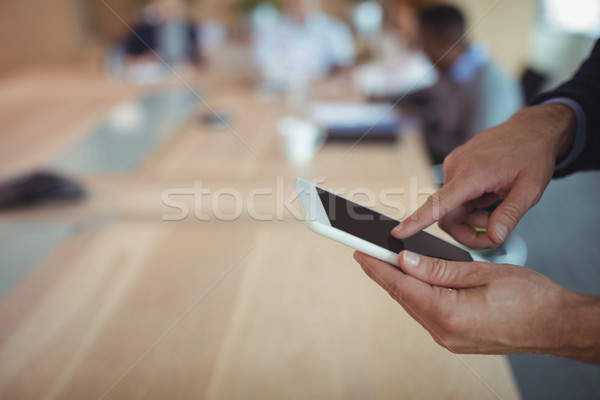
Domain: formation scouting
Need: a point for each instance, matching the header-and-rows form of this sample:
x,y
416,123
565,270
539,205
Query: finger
x,y
508,214
484,201
381,272
471,231
454,217
457,275
415,296
477,218
471,237
465,227
420,300
436,207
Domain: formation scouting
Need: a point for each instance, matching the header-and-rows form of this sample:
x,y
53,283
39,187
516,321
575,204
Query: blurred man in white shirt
x,y
304,43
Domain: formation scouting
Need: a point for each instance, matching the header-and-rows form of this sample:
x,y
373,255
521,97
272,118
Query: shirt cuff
x,y
579,142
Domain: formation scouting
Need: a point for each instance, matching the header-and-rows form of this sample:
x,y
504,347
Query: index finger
x,y
437,206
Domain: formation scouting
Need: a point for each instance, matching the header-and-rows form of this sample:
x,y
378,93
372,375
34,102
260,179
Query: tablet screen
x,y
376,228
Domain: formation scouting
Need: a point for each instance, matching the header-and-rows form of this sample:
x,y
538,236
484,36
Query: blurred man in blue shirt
x,y
471,93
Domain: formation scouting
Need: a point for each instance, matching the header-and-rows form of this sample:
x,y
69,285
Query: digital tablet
x,y
366,230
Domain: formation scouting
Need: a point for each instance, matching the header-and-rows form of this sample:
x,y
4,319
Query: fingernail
x,y
411,259
501,231
398,228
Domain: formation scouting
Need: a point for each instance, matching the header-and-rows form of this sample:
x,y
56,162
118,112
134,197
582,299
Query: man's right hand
x,y
513,161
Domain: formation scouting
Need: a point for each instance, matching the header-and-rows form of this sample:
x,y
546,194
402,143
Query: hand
x,y
491,309
513,161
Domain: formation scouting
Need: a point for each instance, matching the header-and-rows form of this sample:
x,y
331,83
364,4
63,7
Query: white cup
x,y
301,140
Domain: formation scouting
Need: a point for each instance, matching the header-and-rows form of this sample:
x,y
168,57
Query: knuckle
x,y
436,204
535,195
438,270
448,341
433,199
440,338
450,320
453,346
449,162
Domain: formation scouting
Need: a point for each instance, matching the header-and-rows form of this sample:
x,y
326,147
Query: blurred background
x,y
520,34
112,111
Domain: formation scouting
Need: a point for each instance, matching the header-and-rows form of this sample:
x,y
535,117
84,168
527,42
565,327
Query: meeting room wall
x,y
505,26
52,31
34,31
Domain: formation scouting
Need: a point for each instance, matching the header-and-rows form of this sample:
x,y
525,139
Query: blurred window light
x,y
368,18
574,16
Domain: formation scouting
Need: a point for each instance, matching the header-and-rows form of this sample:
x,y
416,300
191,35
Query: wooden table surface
x,y
133,306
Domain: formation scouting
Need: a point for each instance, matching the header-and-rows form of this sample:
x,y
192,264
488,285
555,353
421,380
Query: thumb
x,y
508,214
437,272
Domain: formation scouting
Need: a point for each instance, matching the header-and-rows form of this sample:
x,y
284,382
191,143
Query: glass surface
x,y
23,245
129,131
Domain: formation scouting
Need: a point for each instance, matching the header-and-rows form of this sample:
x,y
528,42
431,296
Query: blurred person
x,y
471,92
398,65
164,35
479,307
404,17
304,43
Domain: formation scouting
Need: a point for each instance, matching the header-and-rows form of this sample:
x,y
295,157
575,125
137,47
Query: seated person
x,y
304,43
471,93
164,35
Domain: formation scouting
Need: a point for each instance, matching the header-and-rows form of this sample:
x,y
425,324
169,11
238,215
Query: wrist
x,y
556,123
564,120
581,328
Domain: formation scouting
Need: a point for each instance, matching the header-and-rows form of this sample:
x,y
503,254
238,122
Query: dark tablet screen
x,y
376,228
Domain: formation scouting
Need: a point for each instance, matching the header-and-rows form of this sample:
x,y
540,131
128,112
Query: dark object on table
x,y
37,188
217,119
357,122
363,134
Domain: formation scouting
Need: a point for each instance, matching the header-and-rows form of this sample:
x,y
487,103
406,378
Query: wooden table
x,y
137,307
